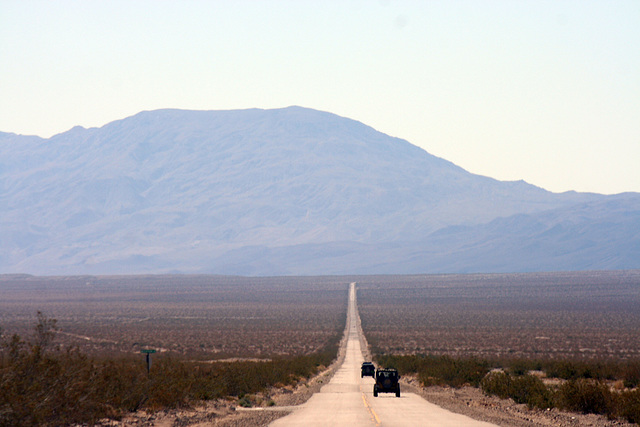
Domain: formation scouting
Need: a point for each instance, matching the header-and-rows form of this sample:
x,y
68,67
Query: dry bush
x,y
526,389
580,327
630,406
438,370
94,368
41,386
587,396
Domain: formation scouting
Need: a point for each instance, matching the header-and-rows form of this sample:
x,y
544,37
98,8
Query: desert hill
x,y
278,192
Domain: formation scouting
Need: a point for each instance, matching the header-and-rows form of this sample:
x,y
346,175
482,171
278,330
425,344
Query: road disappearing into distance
x,y
347,400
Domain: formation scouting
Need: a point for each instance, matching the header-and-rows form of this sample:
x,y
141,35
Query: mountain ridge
x,y
181,190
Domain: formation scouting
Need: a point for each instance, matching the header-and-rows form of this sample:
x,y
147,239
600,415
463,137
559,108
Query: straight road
x,y
347,400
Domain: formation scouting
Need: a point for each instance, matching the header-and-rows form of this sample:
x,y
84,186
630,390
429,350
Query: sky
x,y
544,91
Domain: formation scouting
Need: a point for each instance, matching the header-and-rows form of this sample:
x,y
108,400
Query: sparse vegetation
x,y
93,369
438,370
514,379
564,340
55,387
585,395
526,388
586,315
200,317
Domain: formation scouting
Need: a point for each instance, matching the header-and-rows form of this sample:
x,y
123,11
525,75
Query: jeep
x,y
386,382
367,370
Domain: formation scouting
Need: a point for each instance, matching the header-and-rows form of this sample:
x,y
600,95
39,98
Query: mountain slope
x,y
203,191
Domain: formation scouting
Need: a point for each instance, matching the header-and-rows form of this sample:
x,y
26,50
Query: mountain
x,y
285,191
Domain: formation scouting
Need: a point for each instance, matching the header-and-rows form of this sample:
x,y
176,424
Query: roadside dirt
x,y
474,403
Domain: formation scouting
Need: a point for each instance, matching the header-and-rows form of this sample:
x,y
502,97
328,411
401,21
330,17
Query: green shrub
x,y
497,384
586,369
630,406
584,391
526,389
40,385
404,364
586,396
631,374
564,369
531,390
523,366
452,372
438,370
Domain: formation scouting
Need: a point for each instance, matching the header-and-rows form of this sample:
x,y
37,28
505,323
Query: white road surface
x,y
347,400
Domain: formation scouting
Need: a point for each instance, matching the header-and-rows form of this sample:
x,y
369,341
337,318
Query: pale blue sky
x,y
545,91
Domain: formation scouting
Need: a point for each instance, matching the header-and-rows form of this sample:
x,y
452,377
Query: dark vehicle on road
x,y
367,370
386,382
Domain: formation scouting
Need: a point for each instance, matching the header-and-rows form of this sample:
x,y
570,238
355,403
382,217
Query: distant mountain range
x,y
290,191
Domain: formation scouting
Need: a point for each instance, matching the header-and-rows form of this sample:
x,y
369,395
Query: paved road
x,y
347,400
